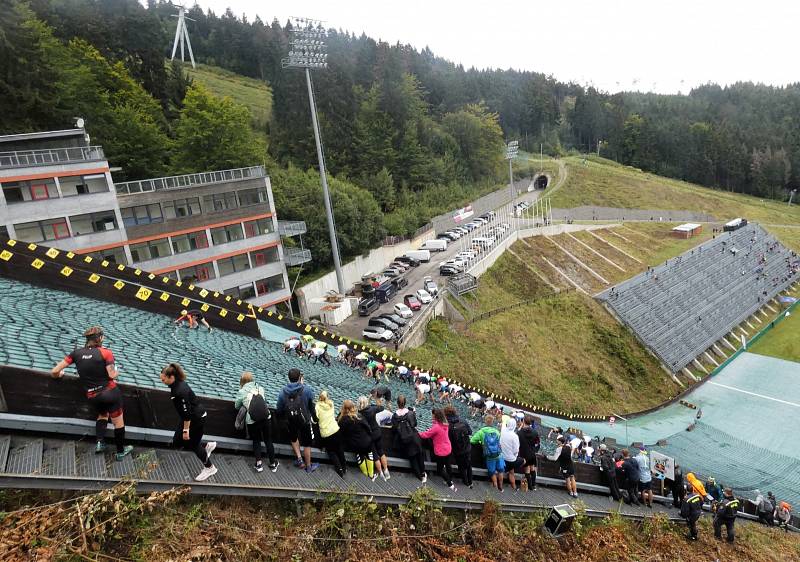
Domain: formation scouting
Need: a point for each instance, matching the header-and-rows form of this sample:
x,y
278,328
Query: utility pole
x,y
512,149
307,52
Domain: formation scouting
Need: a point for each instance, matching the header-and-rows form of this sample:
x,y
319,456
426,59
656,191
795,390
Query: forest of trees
x,y
406,131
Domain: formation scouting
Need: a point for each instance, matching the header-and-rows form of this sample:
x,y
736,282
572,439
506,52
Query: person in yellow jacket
x,y
329,432
697,486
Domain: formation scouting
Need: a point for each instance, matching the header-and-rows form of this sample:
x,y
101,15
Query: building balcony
x,y
50,156
296,256
291,228
189,180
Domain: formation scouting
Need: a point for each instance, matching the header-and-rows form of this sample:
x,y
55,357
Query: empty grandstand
x,y
680,308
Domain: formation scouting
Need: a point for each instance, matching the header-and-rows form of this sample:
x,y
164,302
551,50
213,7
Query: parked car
x,y
430,286
402,267
424,296
419,255
447,270
393,318
367,306
461,229
400,282
412,302
390,273
453,234
410,261
403,311
455,262
384,323
438,245
377,333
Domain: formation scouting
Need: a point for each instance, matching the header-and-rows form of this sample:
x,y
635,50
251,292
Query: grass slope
x,y
563,351
781,341
255,94
605,183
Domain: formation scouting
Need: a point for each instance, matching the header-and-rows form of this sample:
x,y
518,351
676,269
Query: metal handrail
x,y
291,228
296,256
189,180
20,158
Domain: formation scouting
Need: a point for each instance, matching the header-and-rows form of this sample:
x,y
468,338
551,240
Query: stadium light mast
x,y
512,149
307,51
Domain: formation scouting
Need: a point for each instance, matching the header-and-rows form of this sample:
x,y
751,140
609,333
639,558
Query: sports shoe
x,y
259,466
312,467
453,487
374,477
273,466
386,475
298,462
424,477
125,452
206,473
210,446
100,447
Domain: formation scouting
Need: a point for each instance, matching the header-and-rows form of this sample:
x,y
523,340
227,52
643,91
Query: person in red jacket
x,y
441,446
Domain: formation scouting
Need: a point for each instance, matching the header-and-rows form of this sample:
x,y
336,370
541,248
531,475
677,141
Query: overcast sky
x,y
665,46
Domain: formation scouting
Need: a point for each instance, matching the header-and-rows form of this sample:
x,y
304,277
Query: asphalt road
x,y
354,325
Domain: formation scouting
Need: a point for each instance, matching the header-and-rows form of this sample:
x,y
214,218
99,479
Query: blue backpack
x,y
491,445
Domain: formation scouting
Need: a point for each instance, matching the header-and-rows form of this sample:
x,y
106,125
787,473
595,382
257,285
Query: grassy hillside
x,y
781,341
255,94
564,351
606,183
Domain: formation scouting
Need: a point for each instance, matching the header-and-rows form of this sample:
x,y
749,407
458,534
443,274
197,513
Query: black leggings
x,y
443,468
262,431
194,443
417,465
333,445
464,468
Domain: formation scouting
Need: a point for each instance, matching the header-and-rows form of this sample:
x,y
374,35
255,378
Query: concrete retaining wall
x,y
374,262
415,337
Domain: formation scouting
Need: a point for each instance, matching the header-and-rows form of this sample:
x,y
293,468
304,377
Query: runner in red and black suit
x,y
97,373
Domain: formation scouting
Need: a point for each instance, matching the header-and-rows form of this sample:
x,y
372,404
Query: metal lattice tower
x,y
182,36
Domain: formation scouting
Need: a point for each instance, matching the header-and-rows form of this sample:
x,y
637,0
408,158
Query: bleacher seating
x,y
681,307
39,326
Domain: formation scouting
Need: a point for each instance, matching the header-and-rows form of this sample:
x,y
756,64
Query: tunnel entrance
x,y
541,182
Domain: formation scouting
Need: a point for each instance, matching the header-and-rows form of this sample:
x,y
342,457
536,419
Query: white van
x,y
483,242
419,255
438,245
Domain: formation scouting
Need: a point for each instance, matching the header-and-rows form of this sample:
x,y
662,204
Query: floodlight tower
x,y
307,51
512,149
182,35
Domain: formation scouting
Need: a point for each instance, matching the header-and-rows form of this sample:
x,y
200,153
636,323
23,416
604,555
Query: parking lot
x,y
353,326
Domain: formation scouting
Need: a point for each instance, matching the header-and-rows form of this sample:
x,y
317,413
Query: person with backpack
x,y
566,465
529,445
459,434
189,434
764,509
369,412
98,374
357,437
489,438
442,448
713,489
330,433
406,439
296,404
251,396
725,514
691,510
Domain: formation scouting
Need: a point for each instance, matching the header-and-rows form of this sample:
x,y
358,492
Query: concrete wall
x,y
374,262
415,337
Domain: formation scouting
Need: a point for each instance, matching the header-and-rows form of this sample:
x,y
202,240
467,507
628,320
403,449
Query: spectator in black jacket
x,y
609,471
406,439
357,436
368,412
459,433
631,468
529,444
677,486
691,510
190,429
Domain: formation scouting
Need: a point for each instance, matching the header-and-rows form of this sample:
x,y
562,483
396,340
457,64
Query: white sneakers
x,y
206,473
210,471
424,477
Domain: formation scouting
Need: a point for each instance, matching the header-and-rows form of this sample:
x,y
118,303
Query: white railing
x,y
21,158
189,180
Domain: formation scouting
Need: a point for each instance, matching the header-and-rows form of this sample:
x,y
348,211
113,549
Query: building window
x,y
82,185
220,201
225,234
189,242
202,272
150,250
113,255
248,197
242,292
258,227
93,222
39,231
182,208
3,231
233,264
33,190
269,285
143,214
264,256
